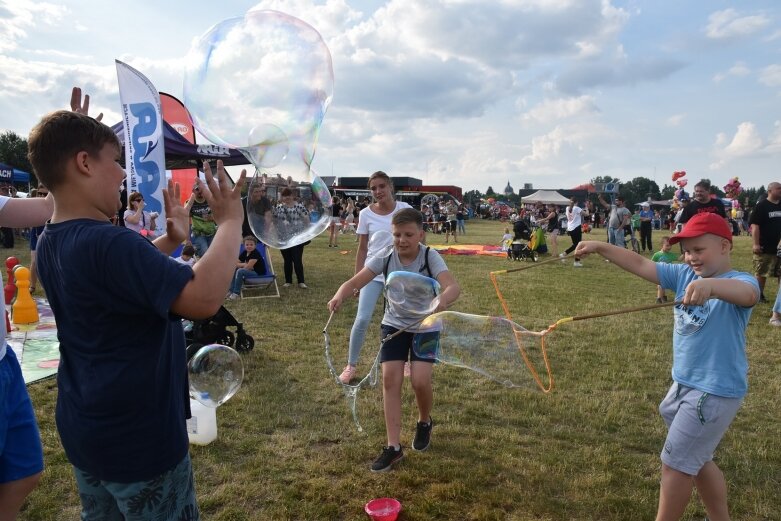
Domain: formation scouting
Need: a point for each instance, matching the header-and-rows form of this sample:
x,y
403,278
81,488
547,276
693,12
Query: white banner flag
x,y
144,144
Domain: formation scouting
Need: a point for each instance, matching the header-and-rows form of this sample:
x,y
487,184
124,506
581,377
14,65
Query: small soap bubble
x,y
411,295
215,372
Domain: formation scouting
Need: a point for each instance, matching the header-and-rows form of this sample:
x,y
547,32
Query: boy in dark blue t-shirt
x,y
118,299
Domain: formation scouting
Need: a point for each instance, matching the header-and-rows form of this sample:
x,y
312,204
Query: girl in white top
x,y
375,217
137,219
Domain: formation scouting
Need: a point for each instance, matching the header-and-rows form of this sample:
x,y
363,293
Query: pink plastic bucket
x,y
383,509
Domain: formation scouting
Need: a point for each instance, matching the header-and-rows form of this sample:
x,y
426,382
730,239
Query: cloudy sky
x,y
466,92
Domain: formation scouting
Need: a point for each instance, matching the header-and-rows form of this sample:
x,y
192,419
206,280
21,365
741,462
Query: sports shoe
x,y
286,285
775,322
561,256
347,375
423,435
762,299
233,296
303,286
386,460
577,264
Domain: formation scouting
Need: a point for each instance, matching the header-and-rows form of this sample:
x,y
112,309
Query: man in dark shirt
x,y
765,224
702,202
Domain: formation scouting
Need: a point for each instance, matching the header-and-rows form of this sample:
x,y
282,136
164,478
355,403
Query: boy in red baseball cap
x,y
710,369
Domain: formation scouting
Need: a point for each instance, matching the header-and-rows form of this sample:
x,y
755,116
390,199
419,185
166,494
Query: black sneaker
x,y
386,460
762,299
423,435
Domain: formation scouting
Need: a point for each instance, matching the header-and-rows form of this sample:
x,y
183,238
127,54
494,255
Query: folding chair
x,y
262,284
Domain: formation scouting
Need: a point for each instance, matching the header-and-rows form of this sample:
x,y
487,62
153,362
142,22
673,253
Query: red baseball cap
x,y
701,224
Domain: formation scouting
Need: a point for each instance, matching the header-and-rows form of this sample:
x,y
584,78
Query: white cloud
x,y
747,142
675,120
738,70
556,109
771,76
19,16
730,24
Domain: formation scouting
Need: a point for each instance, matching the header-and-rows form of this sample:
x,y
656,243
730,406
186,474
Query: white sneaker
x,y
286,285
562,257
775,322
303,286
233,296
577,264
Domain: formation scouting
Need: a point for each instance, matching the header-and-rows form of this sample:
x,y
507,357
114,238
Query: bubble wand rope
x,y
370,380
508,315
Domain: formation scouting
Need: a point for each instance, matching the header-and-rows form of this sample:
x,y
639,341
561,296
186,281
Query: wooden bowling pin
x,y
24,310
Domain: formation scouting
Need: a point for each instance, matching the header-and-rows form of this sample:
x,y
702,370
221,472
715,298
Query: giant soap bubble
x,y
215,372
380,244
262,83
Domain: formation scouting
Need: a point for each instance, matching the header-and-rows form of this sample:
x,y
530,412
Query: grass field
x,y
288,450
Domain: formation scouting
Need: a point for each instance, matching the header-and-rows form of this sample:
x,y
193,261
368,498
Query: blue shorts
x,y
21,454
400,347
696,422
171,495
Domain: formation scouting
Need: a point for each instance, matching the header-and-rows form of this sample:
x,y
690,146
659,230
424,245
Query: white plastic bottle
x,y
202,426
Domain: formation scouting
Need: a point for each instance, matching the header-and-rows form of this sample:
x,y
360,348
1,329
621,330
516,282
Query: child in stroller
x,y
214,330
519,248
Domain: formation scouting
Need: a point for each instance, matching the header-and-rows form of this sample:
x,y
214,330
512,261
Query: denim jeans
x,y
240,276
616,236
201,243
367,301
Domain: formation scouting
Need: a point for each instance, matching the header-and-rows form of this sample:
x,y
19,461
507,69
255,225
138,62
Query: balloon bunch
x,y
679,178
733,188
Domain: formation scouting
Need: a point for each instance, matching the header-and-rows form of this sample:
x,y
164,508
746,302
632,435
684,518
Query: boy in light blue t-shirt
x,y
710,369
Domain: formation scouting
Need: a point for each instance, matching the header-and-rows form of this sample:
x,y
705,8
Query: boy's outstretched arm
x,y
350,288
734,291
23,213
205,292
450,290
623,258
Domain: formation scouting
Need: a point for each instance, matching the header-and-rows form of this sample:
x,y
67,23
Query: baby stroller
x,y
520,249
214,330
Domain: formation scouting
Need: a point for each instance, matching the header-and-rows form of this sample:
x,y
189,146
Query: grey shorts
x,y
696,422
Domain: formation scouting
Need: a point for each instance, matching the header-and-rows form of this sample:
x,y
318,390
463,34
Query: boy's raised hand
x,y
77,106
177,216
224,200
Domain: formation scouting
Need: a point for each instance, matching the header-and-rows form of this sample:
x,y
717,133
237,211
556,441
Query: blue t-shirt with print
x,y
709,341
122,378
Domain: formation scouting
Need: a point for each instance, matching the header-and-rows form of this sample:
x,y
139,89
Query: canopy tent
x,y
180,153
545,197
9,174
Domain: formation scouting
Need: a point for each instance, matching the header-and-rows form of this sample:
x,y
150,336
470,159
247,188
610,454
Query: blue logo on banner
x,y
147,171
